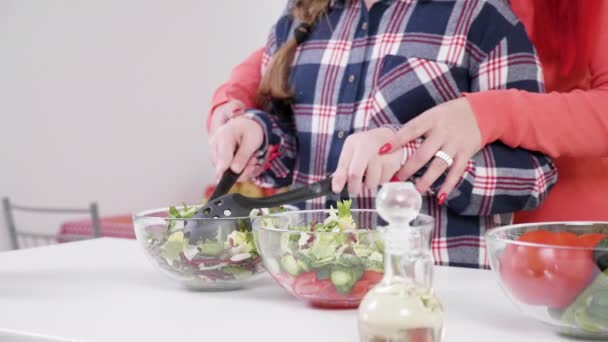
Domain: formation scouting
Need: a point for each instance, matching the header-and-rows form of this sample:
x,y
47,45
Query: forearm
x,y
242,84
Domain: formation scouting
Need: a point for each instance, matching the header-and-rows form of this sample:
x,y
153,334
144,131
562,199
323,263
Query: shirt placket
x,y
352,87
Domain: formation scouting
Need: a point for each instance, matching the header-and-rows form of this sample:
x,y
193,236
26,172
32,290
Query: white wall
x,y
104,99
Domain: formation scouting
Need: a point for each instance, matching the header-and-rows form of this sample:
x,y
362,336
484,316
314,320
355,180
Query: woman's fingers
x,y
436,168
373,174
421,157
356,170
252,169
251,138
412,130
341,175
453,178
225,153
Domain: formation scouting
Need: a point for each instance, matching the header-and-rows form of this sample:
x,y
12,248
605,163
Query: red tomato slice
x,y
360,289
591,240
372,277
306,284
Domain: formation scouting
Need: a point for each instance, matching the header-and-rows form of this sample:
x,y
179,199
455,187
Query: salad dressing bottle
x,y
403,306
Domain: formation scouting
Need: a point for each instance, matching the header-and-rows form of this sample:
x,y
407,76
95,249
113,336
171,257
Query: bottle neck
x,y
396,256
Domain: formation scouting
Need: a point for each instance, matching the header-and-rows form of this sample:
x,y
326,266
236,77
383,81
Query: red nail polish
x,y
236,110
267,167
395,179
385,148
442,198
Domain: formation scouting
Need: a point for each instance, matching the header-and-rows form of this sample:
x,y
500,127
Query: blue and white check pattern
x,y
361,69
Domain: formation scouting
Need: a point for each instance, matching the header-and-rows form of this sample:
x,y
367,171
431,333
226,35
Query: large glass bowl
x,y
555,273
225,258
325,269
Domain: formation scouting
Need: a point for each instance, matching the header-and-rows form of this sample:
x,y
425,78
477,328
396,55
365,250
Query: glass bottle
x,y
403,306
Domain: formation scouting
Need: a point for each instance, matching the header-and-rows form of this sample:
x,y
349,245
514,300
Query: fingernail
x,y
442,198
385,148
395,179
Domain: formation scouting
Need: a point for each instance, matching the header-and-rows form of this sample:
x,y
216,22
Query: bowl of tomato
x,y
556,273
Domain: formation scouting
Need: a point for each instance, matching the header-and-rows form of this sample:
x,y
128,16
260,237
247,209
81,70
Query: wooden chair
x,y
21,239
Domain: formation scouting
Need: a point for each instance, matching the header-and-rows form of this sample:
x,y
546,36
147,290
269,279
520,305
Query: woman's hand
x,y
359,158
234,144
224,112
450,127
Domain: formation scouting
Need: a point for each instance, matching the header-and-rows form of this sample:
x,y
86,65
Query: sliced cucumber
x,y
341,277
303,266
211,248
304,261
290,265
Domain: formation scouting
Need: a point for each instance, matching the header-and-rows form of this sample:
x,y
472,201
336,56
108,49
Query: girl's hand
x,y
450,127
360,158
224,112
234,145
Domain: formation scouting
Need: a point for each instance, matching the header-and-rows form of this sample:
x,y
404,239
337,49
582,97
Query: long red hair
x,y
565,33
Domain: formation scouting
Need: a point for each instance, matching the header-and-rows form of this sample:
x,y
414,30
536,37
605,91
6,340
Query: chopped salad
x,y
333,263
231,255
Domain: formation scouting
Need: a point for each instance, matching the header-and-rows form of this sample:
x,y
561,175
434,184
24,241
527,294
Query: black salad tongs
x,y
202,224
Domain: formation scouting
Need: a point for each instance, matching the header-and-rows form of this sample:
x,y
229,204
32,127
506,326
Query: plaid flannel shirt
x,y
362,69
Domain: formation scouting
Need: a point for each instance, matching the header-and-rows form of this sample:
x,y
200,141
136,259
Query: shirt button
x,y
364,26
341,135
351,78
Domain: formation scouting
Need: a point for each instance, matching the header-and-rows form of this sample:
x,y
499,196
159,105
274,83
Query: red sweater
x,y
570,126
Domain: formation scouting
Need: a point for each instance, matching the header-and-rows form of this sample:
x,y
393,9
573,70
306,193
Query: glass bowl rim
x,y
144,215
491,234
430,220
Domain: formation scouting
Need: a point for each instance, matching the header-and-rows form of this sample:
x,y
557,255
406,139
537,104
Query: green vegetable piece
x,y
600,255
290,265
237,272
209,248
323,273
590,307
341,277
325,245
173,213
304,261
361,250
173,247
344,208
598,307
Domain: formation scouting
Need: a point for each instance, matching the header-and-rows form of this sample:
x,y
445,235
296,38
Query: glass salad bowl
x,y
327,258
556,273
223,259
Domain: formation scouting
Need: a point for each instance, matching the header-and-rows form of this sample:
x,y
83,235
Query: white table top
x,y
106,290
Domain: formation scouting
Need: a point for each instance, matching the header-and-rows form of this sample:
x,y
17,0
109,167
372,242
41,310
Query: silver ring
x,y
404,157
445,157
